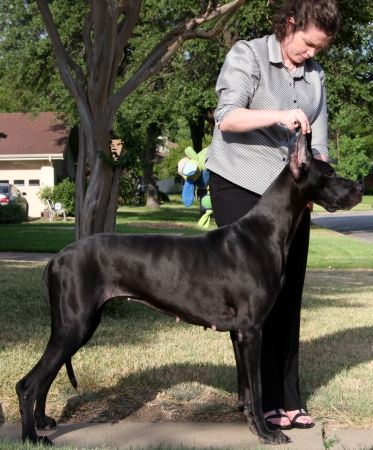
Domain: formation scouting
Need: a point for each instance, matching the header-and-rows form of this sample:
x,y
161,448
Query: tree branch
x,y
87,41
124,32
63,59
164,51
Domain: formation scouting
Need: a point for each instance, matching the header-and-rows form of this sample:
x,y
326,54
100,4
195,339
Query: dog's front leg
x,y
240,376
250,348
244,397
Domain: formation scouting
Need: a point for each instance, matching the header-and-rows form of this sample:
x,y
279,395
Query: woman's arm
x,y
242,120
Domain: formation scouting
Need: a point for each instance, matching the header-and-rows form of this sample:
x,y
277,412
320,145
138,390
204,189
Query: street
x,y
358,225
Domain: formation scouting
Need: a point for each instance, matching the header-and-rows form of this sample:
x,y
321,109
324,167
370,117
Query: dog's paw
x,y
35,439
45,423
274,438
45,441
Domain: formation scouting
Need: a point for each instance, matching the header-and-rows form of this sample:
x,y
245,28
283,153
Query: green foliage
x,y
168,167
182,92
64,193
351,142
29,79
128,190
12,213
45,193
352,160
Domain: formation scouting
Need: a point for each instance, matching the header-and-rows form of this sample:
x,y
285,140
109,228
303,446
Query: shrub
x,y
12,213
128,190
44,194
163,197
64,193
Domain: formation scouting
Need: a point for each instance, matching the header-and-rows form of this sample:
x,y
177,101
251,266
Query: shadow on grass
x,y
336,288
321,361
132,393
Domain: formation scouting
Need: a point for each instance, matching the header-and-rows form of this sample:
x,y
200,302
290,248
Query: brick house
x,y
38,151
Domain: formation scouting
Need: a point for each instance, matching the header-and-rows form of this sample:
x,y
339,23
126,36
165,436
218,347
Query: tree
x,y
182,87
352,160
350,142
106,34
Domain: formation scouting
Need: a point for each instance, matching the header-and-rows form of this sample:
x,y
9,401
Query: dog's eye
x,y
329,173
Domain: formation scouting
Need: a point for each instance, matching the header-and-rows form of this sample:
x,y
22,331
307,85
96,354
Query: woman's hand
x,y
293,118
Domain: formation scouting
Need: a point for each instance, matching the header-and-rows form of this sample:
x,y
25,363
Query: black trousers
x,y
280,347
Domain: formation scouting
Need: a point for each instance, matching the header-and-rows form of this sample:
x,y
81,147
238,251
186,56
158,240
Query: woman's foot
x,y
300,419
277,420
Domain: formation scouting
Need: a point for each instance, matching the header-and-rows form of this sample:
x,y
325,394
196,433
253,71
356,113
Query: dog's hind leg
x,y
64,342
34,387
27,391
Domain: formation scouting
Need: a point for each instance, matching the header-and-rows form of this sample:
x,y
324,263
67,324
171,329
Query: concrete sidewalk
x,y
168,434
29,257
188,435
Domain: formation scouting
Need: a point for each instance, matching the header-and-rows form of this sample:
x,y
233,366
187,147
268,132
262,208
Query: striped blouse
x,y
254,76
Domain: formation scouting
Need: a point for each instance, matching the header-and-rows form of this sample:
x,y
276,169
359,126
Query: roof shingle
x,y
29,135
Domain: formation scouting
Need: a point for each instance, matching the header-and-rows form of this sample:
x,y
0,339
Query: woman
x,y
267,87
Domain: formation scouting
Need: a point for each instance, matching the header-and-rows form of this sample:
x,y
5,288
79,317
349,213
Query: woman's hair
x,y
323,14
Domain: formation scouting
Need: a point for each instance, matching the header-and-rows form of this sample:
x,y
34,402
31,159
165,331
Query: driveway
x,y
355,224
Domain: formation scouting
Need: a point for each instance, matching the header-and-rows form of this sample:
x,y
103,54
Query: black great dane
x,y
166,273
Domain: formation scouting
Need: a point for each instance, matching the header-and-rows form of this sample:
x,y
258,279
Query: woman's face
x,y
301,45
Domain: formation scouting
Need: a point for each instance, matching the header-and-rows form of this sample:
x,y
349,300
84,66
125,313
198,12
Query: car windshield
x,y
4,189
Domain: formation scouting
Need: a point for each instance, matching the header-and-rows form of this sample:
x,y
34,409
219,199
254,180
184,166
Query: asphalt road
x,y
358,225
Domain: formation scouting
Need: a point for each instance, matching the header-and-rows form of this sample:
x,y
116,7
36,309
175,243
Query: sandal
x,y
273,426
303,426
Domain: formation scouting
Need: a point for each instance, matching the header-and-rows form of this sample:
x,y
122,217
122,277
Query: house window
x,y
34,182
19,182
4,181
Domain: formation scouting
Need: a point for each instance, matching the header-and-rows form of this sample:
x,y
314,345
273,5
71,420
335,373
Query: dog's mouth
x,y
331,209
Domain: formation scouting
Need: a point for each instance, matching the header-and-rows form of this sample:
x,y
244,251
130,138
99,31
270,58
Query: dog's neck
x,y
283,205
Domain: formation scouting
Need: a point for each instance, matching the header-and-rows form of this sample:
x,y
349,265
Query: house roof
x,y
32,137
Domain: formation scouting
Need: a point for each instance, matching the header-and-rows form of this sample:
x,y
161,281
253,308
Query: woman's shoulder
x,y
313,67
258,42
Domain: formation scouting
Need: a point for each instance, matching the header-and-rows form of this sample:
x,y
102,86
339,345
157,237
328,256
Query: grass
x,y
7,445
327,249
122,373
331,250
50,237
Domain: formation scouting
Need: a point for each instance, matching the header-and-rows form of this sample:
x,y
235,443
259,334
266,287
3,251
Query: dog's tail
x,y
70,373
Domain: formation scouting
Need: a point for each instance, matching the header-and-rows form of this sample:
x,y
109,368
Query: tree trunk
x,y
210,118
197,132
96,205
197,128
152,141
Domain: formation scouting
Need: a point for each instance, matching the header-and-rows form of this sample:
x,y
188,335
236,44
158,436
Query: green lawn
x,y
327,248
121,372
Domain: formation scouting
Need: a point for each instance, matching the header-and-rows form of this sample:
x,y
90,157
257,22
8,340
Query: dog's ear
x,y
301,154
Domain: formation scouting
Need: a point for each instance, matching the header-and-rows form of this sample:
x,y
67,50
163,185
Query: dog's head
x,y
317,180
